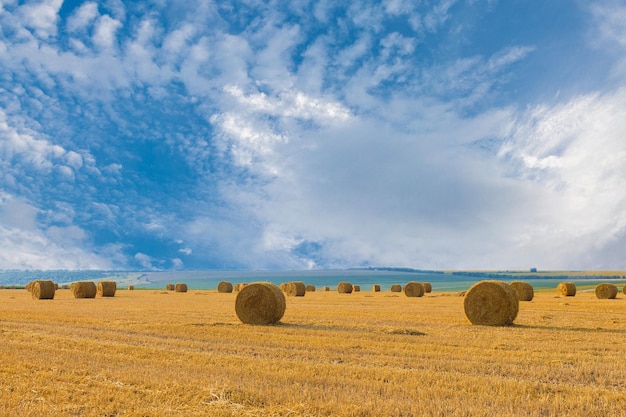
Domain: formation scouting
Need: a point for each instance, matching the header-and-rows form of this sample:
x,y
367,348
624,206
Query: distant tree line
x,y
505,275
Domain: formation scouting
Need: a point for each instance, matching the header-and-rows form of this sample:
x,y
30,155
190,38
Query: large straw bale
x,y
624,289
396,288
427,286
344,288
29,286
225,287
260,303
131,287
283,286
356,288
106,288
414,289
42,290
326,288
295,289
491,303
566,289
170,287
180,287
376,288
525,291
606,291
83,289
310,288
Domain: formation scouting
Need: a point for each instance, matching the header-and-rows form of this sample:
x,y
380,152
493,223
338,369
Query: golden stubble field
x,y
157,353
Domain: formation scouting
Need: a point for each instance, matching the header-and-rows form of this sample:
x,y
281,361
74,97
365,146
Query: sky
x,y
249,134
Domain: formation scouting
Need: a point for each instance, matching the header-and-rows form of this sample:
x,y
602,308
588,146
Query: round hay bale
x,y
427,286
326,288
566,289
106,288
260,303
42,290
180,287
310,288
283,286
131,287
84,289
624,289
356,288
225,287
525,291
376,288
491,303
414,289
295,289
29,286
606,291
56,286
344,288
396,288
170,287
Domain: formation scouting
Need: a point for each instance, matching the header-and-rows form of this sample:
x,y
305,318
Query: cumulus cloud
x,y
26,245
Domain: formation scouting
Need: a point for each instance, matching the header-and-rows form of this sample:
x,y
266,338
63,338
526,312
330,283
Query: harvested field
x,y
148,353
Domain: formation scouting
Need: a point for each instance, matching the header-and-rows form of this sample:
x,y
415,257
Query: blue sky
x,y
452,134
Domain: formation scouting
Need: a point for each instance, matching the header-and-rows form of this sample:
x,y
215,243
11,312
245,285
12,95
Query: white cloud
x,y
144,260
41,16
82,17
105,32
25,245
611,21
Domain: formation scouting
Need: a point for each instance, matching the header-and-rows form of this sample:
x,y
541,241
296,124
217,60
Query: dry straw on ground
x,y
295,289
396,288
344,288
83,289
525,291
566,289
310,288
180,287
42,290
606,291
491,303
427,286
414,289
260,303
376,288
106,288
225,287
